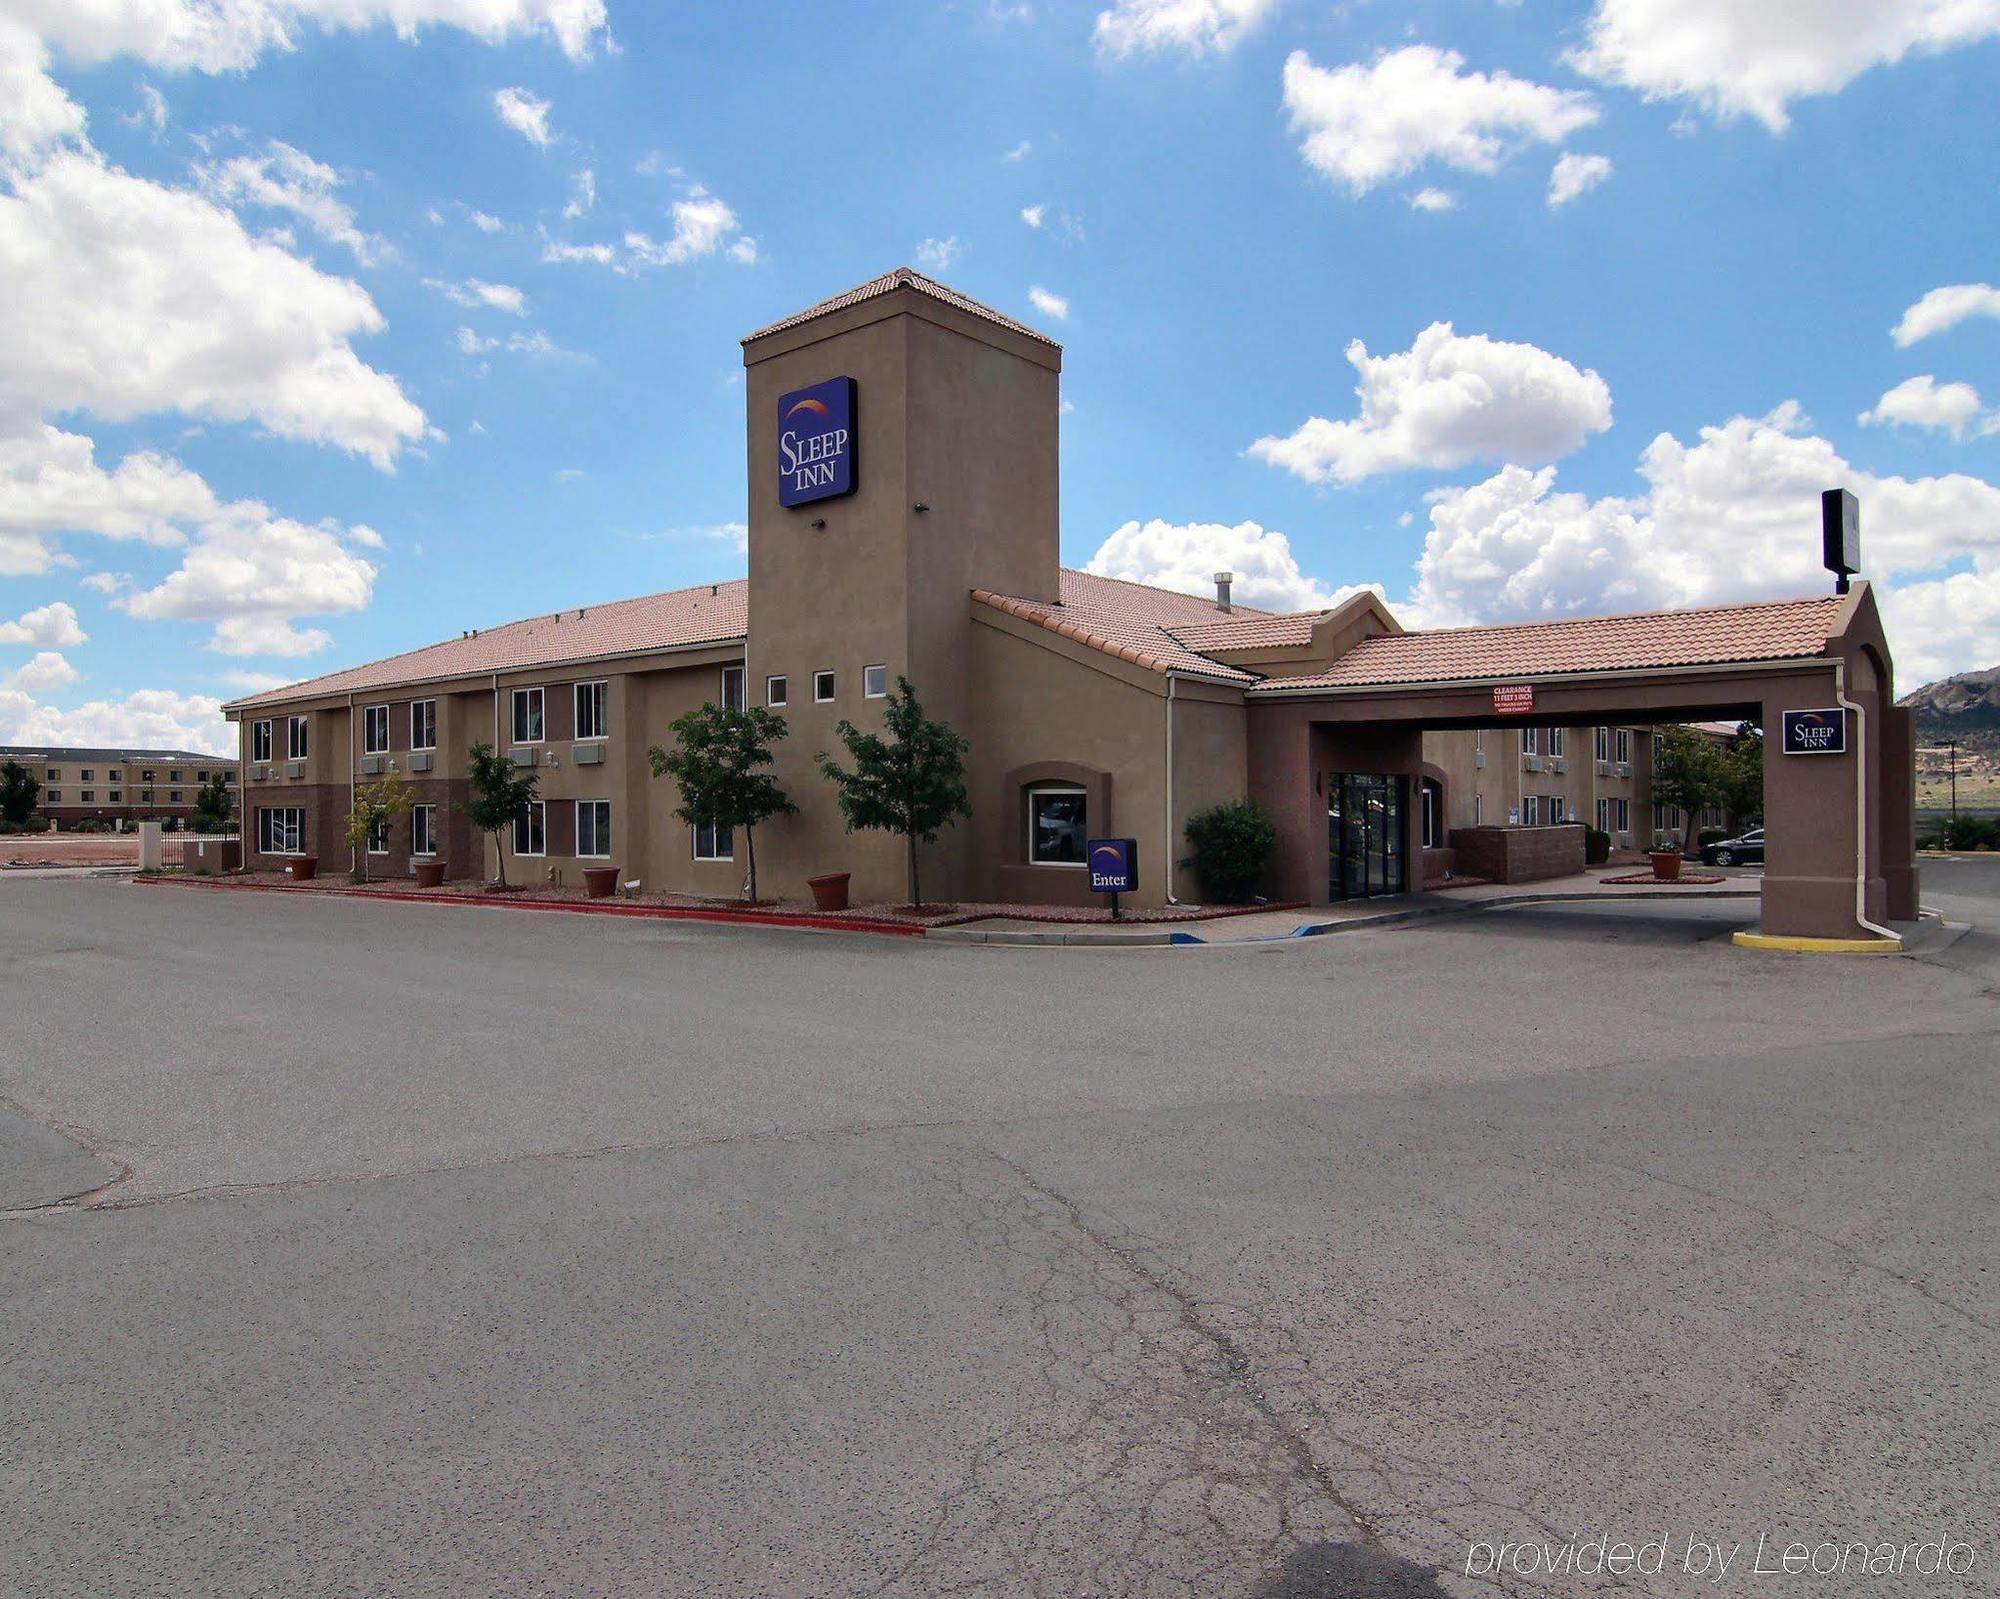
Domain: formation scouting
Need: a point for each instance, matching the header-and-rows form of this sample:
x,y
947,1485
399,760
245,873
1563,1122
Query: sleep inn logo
x,y
816,442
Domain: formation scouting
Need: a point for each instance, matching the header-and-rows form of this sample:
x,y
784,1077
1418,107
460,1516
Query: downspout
x,y
353,859
1167,865
498,843
1860,804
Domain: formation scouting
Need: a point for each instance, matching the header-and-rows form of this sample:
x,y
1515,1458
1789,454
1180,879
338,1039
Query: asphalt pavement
x,y
394,1249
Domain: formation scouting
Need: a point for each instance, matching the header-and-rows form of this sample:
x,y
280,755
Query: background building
x,y
118,785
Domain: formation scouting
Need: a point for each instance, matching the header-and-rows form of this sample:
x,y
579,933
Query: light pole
x,y
1952,745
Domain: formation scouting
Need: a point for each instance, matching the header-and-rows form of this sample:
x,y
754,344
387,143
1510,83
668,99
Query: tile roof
x,y
710,613
1775,630
902,278
1129,620
71,752
1240,632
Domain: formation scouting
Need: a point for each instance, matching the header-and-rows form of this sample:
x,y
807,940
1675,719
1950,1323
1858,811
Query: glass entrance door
x,y
1364,816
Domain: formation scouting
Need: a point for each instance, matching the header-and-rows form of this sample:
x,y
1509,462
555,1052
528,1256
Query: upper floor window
x,y
823,687
1556,741
527,718
260,741
148,777
732,688
1603,748
1623,744
55,774
593,710
775,689
375,730
423,724
297,738
1529,740
874,682
52,796
89,775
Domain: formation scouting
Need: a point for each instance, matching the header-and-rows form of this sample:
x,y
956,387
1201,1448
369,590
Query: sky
x,y
330,328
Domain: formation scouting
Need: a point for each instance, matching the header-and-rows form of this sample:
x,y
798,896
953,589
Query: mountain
x,y
1965,707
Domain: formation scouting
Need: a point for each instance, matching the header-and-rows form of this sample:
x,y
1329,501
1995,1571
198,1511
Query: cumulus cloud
x,y
149,719
1364,125
1186,556
52,626
1574,175
1032,214
1923,402
1050,305
1195,26
527,114
1943,309
1447,400
34,111
50,482
287,179
1734,59
1433,200
476,293
46,670
703,225
937,255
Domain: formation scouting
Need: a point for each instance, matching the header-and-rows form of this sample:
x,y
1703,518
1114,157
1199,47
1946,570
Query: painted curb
x,y
1818,946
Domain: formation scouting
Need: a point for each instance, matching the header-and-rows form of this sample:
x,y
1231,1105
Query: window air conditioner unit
x,y
588,754
1559,765
1624,768
259,773
420,760
522,757
1603,768
295,768
371,765
1531,763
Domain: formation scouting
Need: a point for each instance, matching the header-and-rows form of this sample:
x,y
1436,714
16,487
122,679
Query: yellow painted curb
x,y
1818,946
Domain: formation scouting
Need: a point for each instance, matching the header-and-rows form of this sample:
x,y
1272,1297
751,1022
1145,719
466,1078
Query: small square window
x,y
1058,823
774,690
714,844
823,688
874,682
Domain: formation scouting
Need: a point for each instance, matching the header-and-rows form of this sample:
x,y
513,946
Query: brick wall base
x,y
1518,854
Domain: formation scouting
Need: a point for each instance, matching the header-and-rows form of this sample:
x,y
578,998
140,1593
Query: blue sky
x,y
323,341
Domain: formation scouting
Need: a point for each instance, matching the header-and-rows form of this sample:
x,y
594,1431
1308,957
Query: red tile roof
x,y
710,613
1770,631
1129,620
1240,632
902,278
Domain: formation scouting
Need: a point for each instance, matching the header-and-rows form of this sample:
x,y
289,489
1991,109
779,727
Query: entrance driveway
x,y
456,1252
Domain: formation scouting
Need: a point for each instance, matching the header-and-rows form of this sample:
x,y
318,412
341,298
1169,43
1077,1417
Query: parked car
x,y
1747,850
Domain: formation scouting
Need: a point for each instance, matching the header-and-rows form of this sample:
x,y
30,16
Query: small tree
x,y
18,792
911,783
1743,776
213,805
1688,771
500,792
715,759
1233,844
375,806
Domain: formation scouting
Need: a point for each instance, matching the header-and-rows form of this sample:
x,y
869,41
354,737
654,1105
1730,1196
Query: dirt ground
x,y
69,849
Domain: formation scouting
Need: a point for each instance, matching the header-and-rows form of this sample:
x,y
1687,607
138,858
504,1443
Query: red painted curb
x,y
682,913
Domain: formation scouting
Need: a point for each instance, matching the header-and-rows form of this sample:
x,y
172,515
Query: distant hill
x,y
1965,708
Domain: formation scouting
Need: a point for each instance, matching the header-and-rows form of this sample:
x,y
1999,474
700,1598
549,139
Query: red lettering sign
x,y
1513,699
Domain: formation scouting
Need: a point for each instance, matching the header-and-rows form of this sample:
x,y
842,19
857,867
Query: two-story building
x,y
121,786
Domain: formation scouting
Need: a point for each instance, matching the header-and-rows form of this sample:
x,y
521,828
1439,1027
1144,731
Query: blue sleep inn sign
x,y
816,442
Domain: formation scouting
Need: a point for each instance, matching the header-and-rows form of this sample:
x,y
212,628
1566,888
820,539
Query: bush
x,y
1709,835
1596,847
1971,832
1233,844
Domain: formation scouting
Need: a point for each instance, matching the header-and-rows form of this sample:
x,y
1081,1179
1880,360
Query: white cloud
x,y
1050,305
1736,59
527,114
149,719
45,670
152,113
287,179
1196,26
107,582
582,194
255,682
537,343
1364,125
1574,175
34,111
1447,400
1433,200
1943,309
482,221
50,483
1032,215
742,250
1732,517
702,222
1186,556
1923,402
52,626
937,255
554,250
474,293
1020,152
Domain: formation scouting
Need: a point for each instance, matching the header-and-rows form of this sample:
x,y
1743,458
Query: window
x,y
52,796
423,829
528,717
593,710
54,774
1624,744
874,682
593,828
1528,744
281,830
822,687
714,844
375,730
89,776
1558,808
774,690
148,777
1531,811
1603,810
1556,741
201,777
1057,825
260,741
732,688
146,796
531,834
174,797
1624,816
1603,746
116,797
423,724
378,838
298,739
1433,834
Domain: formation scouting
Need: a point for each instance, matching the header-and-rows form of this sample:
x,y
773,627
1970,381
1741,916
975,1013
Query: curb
x,y
1818,946
673,913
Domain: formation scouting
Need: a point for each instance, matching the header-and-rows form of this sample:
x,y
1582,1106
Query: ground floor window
x,y
1433,815
1531,811
531,835
1558,809
423,829
714,844
1058,824
281,830
1624,816
593,828
378,838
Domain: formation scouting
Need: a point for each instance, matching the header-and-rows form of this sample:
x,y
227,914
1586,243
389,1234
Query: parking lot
x,y
437,1251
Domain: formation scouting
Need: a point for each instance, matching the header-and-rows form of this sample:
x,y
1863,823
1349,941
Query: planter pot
x,y
428,874
301,867
1666,865
830,890
600,882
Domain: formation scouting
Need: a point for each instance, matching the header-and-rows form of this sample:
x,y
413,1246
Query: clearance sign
x,y
816,442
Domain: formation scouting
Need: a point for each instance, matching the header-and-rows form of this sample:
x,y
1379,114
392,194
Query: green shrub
x,y
1709,835
1971,832
1596,847
1233,844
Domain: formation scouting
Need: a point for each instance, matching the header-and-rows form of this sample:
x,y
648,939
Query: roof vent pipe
x,y
1222,582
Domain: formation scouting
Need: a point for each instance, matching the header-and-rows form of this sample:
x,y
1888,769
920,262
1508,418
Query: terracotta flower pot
x,y
830,890
1666,864
429,874
600,882
302,867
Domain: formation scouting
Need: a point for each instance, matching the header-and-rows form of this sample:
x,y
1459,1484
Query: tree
x,y
500,792
375,806
911,783
1688,771
213,805
1743,776
715,759
18,792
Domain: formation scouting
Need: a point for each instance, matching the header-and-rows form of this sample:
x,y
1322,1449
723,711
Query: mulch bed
x,y
1687,879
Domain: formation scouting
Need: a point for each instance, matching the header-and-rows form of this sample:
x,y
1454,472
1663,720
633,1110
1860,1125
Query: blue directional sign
x,y
1114,865
816,442
1816,732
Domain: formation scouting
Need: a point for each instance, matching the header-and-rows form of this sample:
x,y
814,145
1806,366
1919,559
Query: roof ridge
x,y
901,277
1179,594
1626,616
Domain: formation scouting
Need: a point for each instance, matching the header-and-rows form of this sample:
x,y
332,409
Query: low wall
x,y
1439,865
1518,854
